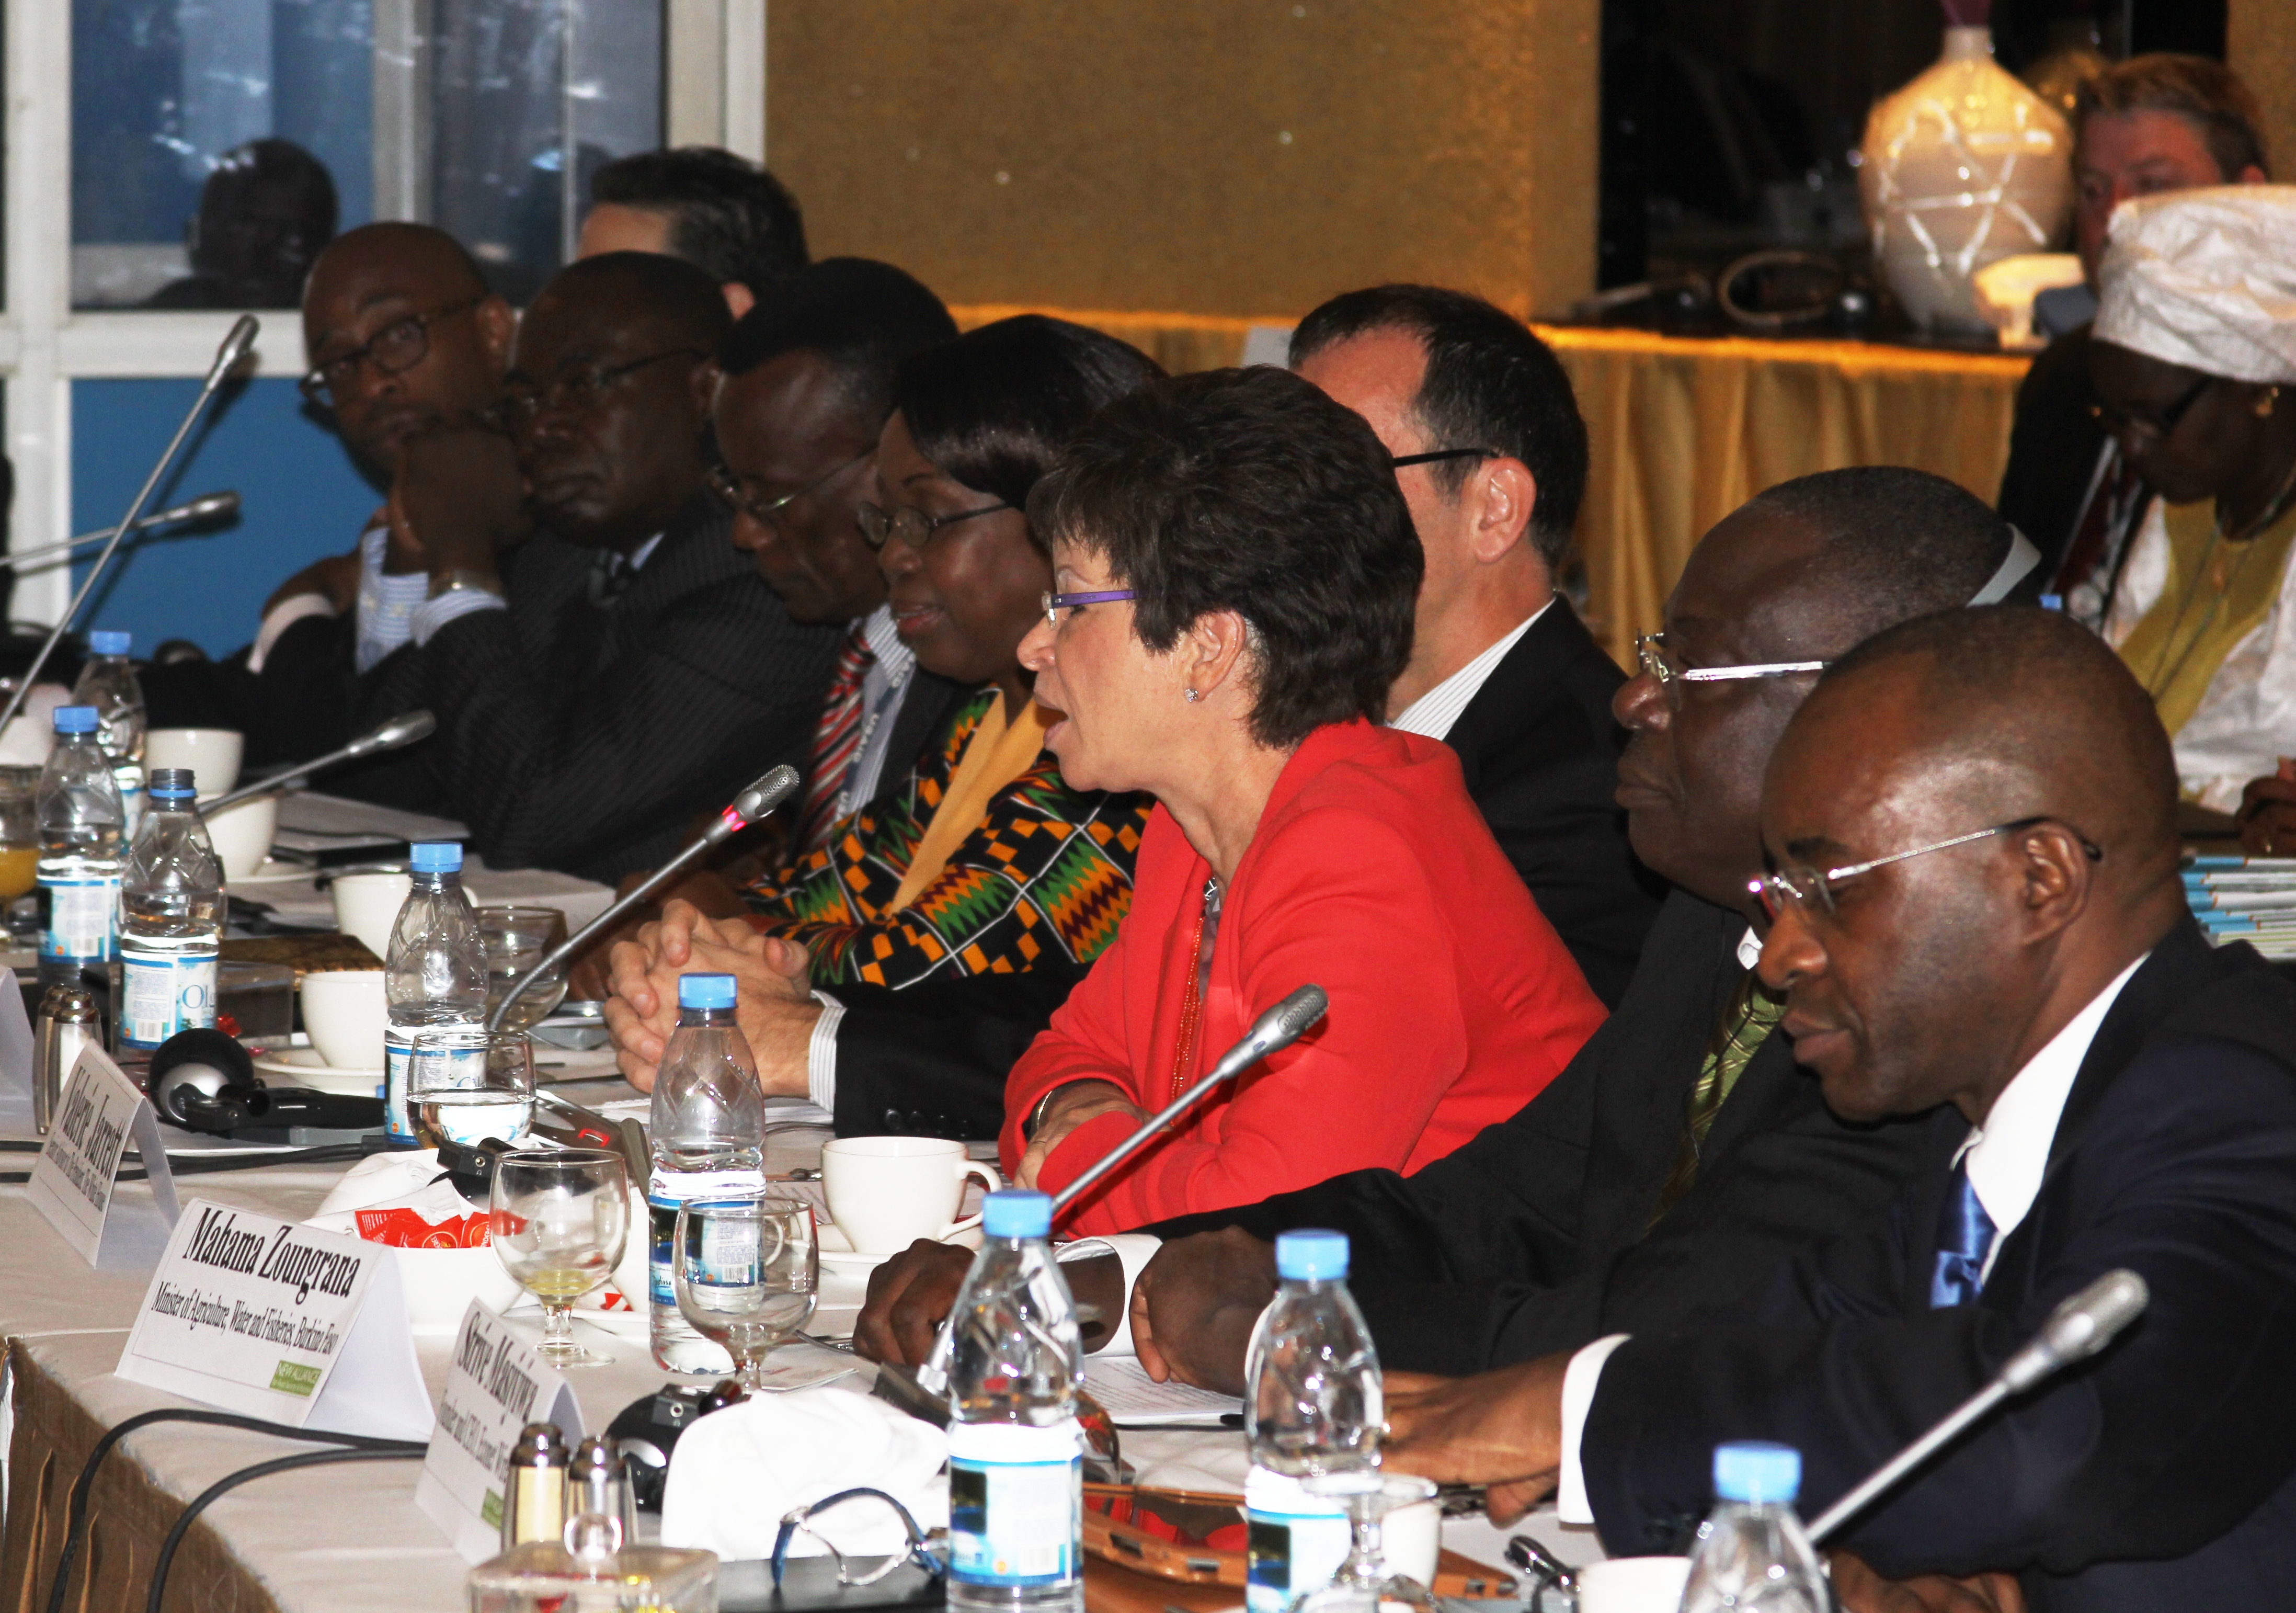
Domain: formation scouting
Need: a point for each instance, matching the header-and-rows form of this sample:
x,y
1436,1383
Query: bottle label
x,y
664,1192
1015,1503
83,918
163,995
1295,1541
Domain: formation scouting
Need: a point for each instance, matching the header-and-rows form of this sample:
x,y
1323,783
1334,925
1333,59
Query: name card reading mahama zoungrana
x,y
280,1321
496,1384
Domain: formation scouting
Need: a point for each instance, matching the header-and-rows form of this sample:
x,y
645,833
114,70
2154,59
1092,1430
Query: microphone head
x,y
403,729
767,793
212,507
1287,1021
234,347
2080,1327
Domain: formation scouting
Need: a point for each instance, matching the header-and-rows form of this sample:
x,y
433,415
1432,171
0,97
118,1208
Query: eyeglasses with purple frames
x,y
1054,603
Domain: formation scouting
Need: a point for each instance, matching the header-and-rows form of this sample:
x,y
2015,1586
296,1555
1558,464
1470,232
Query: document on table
x,y
1134,1399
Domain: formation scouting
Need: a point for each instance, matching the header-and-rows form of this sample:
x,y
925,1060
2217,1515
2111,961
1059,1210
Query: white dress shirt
x,y
884,686
2008,1153
1433,714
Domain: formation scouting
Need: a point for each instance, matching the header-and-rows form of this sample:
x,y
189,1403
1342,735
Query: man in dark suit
x,y
624,668
1682,1154
1976,904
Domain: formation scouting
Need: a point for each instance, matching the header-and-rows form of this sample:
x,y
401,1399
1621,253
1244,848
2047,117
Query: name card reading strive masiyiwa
x,y
72,1181
497,1383
281,1321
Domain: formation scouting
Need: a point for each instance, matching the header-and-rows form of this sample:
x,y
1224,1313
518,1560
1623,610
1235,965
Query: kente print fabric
x,y
1048,870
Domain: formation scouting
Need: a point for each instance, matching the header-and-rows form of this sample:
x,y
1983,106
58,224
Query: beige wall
x,y
2260,43
1235,158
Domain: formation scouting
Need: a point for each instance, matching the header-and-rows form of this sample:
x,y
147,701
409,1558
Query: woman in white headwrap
x,y
2195,359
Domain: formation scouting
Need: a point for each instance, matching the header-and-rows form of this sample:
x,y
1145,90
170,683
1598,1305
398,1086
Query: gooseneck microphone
x,y
207,506
747,808
403,729
2076,1330
227,357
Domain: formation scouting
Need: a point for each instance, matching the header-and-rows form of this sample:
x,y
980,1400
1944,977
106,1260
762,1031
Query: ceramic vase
x,y
1961,167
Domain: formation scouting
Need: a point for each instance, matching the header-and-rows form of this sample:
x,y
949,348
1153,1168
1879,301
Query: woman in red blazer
x,y
1235,575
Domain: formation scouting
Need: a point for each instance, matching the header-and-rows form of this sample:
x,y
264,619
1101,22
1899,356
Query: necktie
x,y
837,742
610,576
1964,1240
1738,1035
2100,520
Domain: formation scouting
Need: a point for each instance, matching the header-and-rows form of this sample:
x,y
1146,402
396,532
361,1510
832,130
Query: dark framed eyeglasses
x,y
912,526
580,387
1434,455
728,486
799,1520
398,347
1809,890
1660,662
2161,422
1054,603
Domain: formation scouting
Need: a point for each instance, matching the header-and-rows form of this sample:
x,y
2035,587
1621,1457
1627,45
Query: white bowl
x,y
440,1285
243,835
366,906
213,755
345,1013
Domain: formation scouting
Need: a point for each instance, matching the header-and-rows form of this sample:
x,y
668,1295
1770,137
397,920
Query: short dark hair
x,y
1250,490
728,216
861,317
995,408
1490,384
1899,542
685,297
2206,94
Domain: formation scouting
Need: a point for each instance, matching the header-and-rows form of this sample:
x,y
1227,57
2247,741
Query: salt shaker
x,y
534,1495
67,1023
597,1481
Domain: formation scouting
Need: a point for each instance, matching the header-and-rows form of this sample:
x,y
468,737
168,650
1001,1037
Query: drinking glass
x,y
513,940
747,1269
20,831
467,1085
1364,1582
559,1217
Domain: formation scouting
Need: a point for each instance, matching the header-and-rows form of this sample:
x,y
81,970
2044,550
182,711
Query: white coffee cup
x,y
213,755
886,1192
366,905
1633,1584
243,835
1413,1538
344,1011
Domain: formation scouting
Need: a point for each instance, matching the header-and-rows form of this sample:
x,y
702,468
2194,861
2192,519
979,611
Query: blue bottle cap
x,y
438,856
171,781
2052,602
1758,1473
1016,1213
1311,1254
76,720
106,641
705,991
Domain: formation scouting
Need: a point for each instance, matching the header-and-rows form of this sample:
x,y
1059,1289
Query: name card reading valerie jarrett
x,y
498,1384
72,1183
281,1321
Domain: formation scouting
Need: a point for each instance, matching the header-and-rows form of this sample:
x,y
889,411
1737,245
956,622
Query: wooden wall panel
x,y
2260,43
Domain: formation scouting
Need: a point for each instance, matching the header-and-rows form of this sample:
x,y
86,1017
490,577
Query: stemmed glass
x,y
747,1270
513,940
466,1085
1365,1581
559,1217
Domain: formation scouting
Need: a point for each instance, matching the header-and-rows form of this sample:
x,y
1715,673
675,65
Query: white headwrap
x,y
2205,279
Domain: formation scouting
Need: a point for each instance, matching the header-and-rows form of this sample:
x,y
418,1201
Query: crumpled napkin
x,y
736,1472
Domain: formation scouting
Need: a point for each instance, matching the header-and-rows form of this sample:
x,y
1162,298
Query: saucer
x,y
838,1255
272,872
303,1068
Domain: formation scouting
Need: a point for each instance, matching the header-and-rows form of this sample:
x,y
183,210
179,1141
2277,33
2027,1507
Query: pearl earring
x,y
1192,694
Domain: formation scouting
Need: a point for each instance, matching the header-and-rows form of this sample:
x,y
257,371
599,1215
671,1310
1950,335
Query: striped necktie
x,y
1738,1035
1965,1238
837,742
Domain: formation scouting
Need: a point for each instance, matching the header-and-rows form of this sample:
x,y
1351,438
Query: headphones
x,y
204,1081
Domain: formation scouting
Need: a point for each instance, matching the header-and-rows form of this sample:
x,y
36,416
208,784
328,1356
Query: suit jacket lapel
x,y
1527,680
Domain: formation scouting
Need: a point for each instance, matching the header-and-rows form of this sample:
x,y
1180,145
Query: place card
x,y
280,1321
497,1383
72,1181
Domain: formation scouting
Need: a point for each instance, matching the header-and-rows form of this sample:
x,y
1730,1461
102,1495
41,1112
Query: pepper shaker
x,y
68,1023
534,1497
598,1481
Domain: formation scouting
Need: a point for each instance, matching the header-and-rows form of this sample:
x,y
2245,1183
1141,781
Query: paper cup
x,y
1413,1538
243,835
213,755
366,905
344,1011
886,1192
1633,1584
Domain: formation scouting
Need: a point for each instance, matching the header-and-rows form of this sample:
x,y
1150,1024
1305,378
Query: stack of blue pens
x,y
2250,899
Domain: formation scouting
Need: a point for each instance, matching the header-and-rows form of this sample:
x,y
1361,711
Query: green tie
x,y
1744,1025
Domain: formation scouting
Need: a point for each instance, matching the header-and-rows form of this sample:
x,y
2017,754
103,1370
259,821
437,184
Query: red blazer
x,y
1372,875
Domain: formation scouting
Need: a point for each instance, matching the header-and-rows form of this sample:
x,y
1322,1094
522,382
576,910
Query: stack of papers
x,y
2250,899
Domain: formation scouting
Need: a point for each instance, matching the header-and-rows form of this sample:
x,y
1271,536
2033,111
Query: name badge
x,y
282,1322
498,1384
73,1180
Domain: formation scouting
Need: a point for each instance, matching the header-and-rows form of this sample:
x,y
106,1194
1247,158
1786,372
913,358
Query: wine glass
x,y
559,1217
513,940
747,1269
1364,1582
467,1085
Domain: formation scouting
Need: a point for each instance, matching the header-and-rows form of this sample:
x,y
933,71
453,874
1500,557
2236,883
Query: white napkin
x,y
378,1180
736,1472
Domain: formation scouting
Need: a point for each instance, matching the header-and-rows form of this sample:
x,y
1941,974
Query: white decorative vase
x,y
1962,167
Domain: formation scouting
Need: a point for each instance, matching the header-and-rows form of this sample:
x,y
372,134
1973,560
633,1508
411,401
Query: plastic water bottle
x,y
170,922
434,982
1751,1556
1315,1406
78,805
108,683
1015,1449
708,1132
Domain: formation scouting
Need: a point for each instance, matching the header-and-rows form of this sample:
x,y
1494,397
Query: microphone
x,y
207,506
403,729
2076,1330
745,809
234,348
